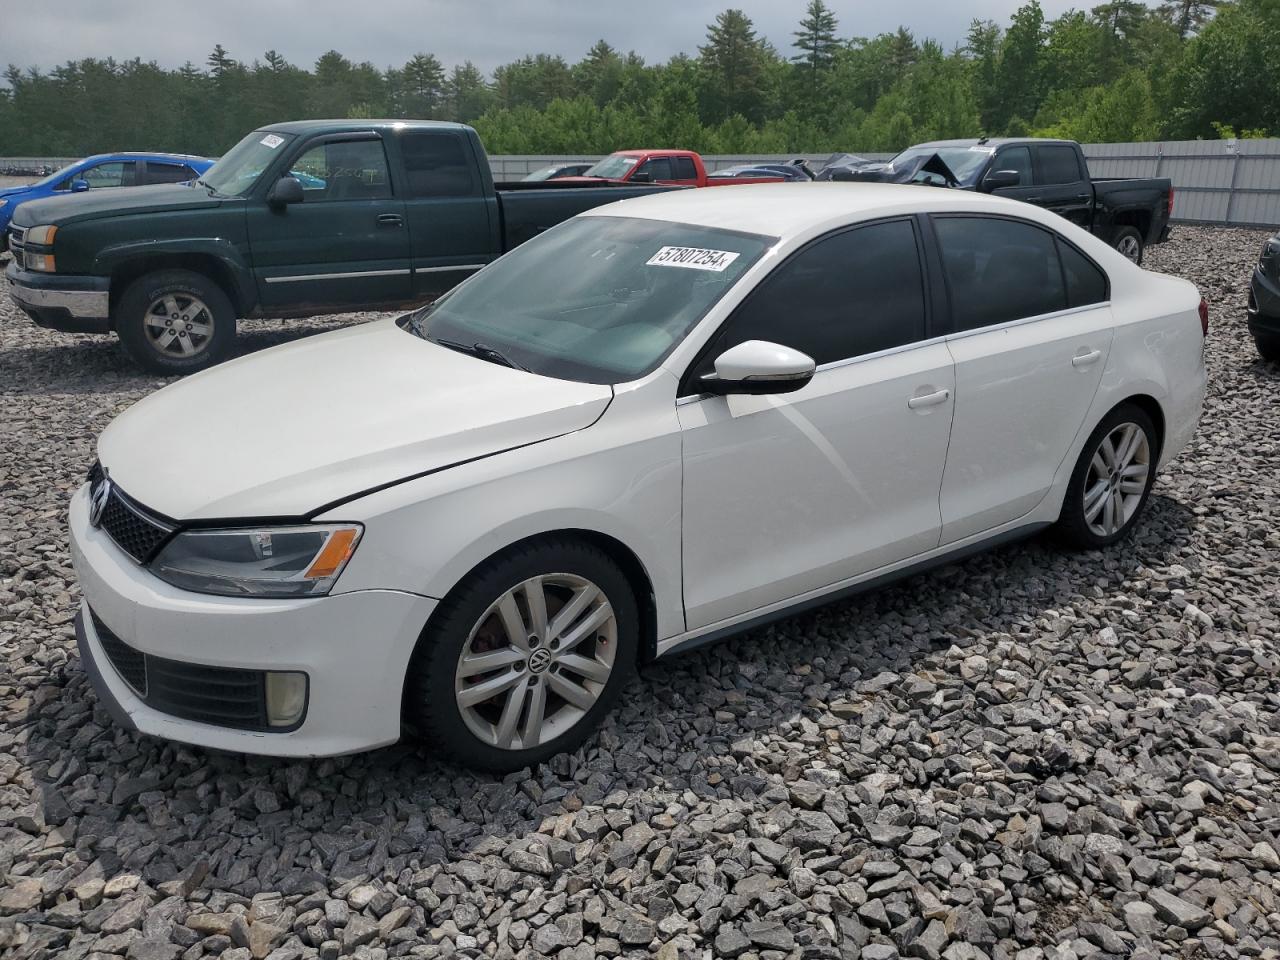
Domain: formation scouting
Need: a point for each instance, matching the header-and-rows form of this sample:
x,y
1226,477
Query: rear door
x,y
1031,331
346,243
449,212
1062,182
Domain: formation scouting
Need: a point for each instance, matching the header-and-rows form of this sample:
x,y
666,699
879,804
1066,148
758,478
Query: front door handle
x,y
1082,196
1034,199
390,220
1084,359
929,399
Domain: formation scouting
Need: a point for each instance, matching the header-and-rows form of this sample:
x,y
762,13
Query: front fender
x,y
218,249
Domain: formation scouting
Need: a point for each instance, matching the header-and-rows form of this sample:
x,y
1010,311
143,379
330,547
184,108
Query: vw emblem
x,y
539,660
98,502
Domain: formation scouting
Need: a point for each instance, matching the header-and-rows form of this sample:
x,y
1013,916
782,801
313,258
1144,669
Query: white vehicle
x,y
664,421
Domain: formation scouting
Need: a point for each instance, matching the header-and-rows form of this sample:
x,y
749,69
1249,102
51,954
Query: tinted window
x,y
114,174
343,170
998,270
438,165
1015,158
1058,165
659,168
168,172
1086,283
843,296
684,169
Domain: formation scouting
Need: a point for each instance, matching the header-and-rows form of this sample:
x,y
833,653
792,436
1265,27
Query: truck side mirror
x,y
641,177
283,192
999,179
79,185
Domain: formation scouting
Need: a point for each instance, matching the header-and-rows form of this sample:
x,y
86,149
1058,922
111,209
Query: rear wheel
x,y
1129,242
1111,481
525,657
175,322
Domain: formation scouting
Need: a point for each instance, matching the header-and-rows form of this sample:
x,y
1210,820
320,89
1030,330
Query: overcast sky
x,y
388,32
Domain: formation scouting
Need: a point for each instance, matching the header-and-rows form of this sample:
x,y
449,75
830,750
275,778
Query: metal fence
x,y
1225,182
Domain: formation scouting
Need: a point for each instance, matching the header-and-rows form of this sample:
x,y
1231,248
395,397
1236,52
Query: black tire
x,y
431,707
1073,527
1130,243
1268,348
187,289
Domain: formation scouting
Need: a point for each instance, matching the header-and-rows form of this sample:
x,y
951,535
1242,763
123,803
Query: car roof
x,y
306,127
992,142
142,155
655,153
786,210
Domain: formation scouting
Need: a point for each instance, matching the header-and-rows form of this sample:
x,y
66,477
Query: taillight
x,y
1204,316
1170,211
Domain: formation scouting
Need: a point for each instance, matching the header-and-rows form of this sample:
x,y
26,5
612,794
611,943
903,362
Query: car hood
x,y
8,192
284,432
111,202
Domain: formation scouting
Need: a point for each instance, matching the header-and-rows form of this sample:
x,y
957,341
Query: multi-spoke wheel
x,y
524,657
175,321
1112,479
1128,240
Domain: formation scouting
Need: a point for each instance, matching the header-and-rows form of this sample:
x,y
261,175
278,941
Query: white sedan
x,y
664,421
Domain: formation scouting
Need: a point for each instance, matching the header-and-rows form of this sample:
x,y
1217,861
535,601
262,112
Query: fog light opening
x,y
286,698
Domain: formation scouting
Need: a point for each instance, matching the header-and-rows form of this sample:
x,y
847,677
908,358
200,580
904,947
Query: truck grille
x,y
219,696
137,532
16,235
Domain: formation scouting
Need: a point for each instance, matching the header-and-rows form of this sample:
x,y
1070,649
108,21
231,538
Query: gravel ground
x,y
1030,755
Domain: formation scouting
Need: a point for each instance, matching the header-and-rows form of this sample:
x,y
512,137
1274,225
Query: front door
x,y
1030,342
346,243
795,492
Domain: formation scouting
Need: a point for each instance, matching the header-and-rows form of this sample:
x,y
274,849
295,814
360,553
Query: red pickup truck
x,y
676,167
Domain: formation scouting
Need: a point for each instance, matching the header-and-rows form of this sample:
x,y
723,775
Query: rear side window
x,y
1086,282
684,169
1058,165
998,270
438,165
843,296
168,172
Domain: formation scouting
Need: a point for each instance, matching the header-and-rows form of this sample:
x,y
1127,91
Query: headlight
x,y
2,203
43,262
301,561
41,235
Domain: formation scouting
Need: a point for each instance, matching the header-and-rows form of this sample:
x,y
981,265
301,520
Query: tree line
x,y
1121,71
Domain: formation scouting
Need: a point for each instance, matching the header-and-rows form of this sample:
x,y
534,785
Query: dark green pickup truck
x,y
298,219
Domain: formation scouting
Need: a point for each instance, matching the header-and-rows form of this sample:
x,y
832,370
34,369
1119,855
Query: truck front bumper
x,y
71,304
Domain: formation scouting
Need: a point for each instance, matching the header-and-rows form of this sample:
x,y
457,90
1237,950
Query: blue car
x,y
102,171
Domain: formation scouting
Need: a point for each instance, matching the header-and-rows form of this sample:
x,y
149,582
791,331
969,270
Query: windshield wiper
x,y
483,352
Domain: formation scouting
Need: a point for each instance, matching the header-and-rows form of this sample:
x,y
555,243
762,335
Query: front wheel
x,y
174,322
524,658
1268,348
1111,481
1129,242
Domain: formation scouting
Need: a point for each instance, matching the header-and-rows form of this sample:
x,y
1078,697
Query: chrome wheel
x,y
1131,247
1117,479
536,661
178,324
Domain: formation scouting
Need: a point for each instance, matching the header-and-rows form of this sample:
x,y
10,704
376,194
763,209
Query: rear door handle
x,y
1084,359
390,220
929,399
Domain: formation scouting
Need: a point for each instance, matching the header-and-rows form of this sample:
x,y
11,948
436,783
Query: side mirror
x,y
759,367
79,186
283,192
999,179
641,177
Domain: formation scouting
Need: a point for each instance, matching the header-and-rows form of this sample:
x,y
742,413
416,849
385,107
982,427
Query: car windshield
x,y
964,162
543,173
238,169
612,167
596,299
57,175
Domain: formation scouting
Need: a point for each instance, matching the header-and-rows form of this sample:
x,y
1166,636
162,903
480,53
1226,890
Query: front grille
x,y
137,532
16,235
220,696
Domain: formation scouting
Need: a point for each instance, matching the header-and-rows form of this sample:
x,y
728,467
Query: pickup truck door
x,y
345,243
679,171
1062,182
450,208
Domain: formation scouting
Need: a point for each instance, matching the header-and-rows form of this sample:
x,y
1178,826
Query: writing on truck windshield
x,y
596,299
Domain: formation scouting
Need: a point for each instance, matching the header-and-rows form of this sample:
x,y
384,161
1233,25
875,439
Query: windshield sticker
x,y
692,258
271,140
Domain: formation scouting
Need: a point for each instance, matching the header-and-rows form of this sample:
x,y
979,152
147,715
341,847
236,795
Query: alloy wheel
x,y
536,661
178,324
1130,247
1117,479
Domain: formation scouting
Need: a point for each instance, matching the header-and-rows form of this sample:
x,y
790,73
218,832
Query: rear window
x,y
437,165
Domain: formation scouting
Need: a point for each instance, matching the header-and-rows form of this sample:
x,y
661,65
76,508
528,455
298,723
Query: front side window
x,y
438,165
658,168
595,299
843,296
343,170
1015,158
114,174
998,270
239,168
1058,165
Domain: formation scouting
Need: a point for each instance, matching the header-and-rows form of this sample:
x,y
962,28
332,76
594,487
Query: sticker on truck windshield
x,y
271,140
692,258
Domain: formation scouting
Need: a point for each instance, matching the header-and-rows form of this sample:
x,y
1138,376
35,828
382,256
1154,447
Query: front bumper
x,y
1264,304
354,647
72,304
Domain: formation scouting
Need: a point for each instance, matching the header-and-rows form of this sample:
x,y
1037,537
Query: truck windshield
x,y
965,162
613,167
596,299
238,169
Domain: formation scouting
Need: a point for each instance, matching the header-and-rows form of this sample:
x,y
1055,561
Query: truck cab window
x,y
343,170
437,165
658,168
1015,158
684,169
1058,164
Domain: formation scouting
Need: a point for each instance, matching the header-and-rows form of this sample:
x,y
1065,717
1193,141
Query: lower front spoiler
x,y
90,664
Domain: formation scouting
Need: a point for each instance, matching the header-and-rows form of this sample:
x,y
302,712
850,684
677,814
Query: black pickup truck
x,y
1129,214
298,219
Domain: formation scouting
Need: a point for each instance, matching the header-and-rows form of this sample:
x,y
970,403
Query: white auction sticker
x,y
693,258
271,140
